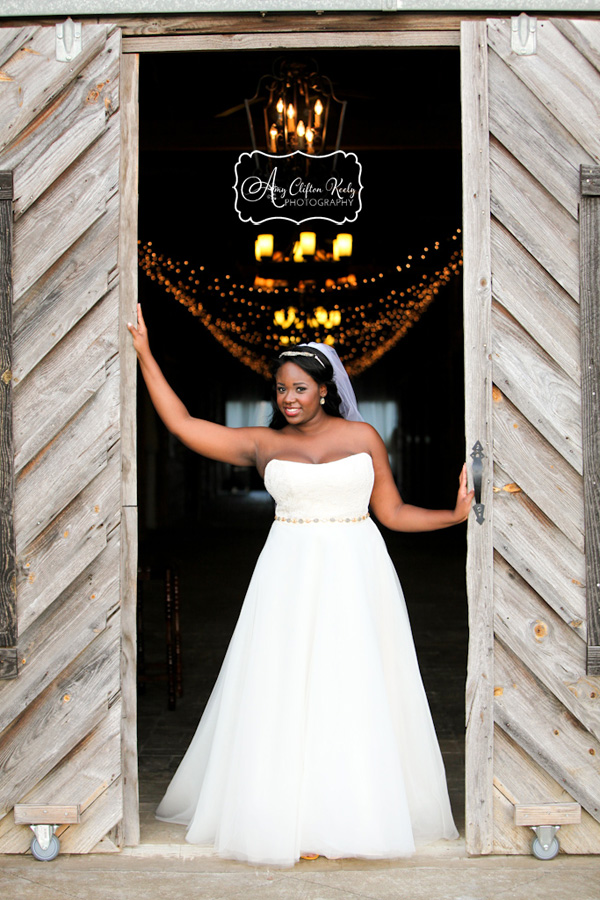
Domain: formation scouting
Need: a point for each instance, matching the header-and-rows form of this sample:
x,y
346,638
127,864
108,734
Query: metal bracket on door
x,y
477,455
68,40
523,38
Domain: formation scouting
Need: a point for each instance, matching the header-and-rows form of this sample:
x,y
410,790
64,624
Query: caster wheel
x,y
541,852
49,853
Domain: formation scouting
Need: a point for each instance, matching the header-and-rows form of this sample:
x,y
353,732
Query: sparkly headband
x,y
301,353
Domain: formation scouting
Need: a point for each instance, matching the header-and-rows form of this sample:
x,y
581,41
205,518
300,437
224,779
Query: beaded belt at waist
x,y
325,519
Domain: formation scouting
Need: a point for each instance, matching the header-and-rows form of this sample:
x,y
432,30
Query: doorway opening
x,y
207,521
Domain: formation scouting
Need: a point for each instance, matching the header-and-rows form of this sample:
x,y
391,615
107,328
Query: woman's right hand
x,y
139,334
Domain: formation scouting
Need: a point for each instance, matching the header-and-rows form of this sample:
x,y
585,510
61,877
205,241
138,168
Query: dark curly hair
x,y
320,370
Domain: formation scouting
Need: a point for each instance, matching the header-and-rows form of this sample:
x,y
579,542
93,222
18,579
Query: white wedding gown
x,y
317,737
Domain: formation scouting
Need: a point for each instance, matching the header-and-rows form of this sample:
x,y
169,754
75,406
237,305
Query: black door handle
x,y
477,455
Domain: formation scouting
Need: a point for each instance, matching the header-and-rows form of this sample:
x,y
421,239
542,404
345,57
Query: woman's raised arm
x,y
232,445
391,510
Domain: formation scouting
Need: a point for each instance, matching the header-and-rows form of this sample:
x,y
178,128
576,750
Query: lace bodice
x,y
337,490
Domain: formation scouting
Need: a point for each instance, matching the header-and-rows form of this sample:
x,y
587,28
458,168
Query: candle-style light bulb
x,y
291,117
280,108
273,138
310,136
318,113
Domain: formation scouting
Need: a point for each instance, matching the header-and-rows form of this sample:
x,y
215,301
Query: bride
x,y
317,738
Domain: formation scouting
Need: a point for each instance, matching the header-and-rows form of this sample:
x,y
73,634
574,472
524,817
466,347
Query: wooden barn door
x,y
62,713
533,714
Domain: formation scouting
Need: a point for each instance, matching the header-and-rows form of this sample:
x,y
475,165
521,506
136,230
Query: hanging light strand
x,y
364,319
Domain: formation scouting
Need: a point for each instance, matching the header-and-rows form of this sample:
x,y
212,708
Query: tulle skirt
x,y
317,737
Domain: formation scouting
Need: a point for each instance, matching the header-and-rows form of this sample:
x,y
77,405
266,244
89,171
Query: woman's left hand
x,y
464,498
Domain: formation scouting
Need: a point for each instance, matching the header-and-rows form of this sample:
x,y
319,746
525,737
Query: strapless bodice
x,y
338,490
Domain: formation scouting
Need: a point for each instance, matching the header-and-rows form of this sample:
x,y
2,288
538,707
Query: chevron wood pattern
x,y
543,114
60,726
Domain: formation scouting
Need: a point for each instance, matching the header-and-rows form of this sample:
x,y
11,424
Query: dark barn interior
x,y
207,521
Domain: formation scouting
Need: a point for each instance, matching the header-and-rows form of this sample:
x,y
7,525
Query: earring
x,y
322,401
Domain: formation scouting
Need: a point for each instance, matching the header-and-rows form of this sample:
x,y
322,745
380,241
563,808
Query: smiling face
x,y
298,394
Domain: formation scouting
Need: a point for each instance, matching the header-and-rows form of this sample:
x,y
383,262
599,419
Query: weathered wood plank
x,y
549,648
584,34
66,128
128,302
129,531
547,814
38,78
8,571
545,394
546,730
241,23
560,76
537,220
62,632
544,475
76,201
536,301
80,777
65,293
289,41
529,131
478,416
59,718
540,553
69,544
520,779
128,271
590,412
69,462
13,39
590,181
65,380
8,662
96,821
46,814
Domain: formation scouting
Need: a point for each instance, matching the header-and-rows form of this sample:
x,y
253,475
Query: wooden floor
x,y
215,562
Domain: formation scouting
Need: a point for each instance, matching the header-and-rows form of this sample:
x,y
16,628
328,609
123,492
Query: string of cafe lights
x,y
252,321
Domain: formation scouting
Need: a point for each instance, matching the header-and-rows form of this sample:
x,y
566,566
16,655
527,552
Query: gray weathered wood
x,y
537,220
205,23
546,730
46,814
60,718
559,76
65,293
540,305
537,386
590,181
69,544
8,572
129,524
547,814
44,76
70,462
478,401
545,476
548,647
81,199
74,122
540,553
64,631
520,779
289,41
83,776
529,131
13,39
590,399
64,381
584,34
